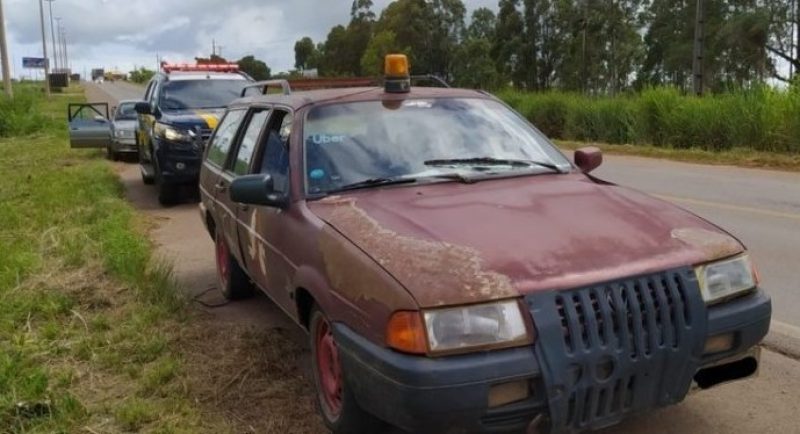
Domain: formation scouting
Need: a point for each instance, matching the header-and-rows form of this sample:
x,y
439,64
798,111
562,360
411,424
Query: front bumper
x,y
178,164
124,145
451,394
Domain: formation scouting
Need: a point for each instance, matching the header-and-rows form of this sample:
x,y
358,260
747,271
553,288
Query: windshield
x,y
198,94
126,112
367,141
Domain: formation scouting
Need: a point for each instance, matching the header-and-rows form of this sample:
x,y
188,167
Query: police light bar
x,y
213,67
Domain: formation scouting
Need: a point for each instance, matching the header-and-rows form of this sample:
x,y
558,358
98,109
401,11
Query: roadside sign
x,y
34,62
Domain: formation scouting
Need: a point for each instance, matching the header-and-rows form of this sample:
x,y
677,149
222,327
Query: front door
x,y
213,181
263,229
89,125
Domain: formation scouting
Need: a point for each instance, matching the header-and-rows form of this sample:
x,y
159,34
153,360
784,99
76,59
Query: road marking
x,y
747,209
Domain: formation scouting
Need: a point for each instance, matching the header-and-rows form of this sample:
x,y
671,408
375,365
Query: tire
x,y
147,180
168,194
337,405
232,281
111,155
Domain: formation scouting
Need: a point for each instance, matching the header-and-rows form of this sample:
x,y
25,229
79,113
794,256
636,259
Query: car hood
x,y
451,243
206,119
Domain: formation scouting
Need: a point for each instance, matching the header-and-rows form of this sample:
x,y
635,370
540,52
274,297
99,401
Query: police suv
x,y
181,107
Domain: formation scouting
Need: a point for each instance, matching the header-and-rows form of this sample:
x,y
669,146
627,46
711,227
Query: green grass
x,y
759,120
87,319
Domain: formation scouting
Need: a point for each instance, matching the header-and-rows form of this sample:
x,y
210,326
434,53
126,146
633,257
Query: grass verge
x,y
94,336
87,318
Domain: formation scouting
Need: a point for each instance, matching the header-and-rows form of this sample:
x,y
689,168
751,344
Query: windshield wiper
x,y
491,161
376,182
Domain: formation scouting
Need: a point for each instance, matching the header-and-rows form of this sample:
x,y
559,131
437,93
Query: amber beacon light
x,y
397,78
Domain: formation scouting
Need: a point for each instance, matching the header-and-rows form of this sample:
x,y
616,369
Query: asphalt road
x,y
760,207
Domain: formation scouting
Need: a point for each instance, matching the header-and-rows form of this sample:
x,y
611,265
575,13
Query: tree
x,y
254,68
211,60
305,54
507,49
334,60
141,75
474,67
383,43
482,24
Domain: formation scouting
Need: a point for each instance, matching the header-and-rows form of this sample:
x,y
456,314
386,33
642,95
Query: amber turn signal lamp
x,y
405,332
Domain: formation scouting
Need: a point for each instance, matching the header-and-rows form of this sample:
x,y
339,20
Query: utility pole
x,y
53,36
4,54
57,42
699,37
44,52
64,43
795,37
213,47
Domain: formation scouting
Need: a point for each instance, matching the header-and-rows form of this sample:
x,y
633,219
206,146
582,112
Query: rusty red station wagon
x,y
457,273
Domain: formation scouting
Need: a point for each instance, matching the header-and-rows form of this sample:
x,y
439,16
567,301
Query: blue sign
x,y
34,62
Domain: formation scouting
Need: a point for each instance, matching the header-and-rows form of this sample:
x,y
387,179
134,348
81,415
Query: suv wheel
x,y
168,194
231,279
338,406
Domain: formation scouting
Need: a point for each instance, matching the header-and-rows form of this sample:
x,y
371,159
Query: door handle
x,y
244,207
220,187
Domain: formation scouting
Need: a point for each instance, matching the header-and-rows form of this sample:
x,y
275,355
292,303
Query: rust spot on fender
x,y
436,273
714,245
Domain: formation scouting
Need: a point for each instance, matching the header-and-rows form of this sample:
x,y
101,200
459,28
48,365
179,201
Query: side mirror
x,y
257,190
588,158
143,108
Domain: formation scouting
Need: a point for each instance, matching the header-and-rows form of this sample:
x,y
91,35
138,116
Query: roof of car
x,y
299,99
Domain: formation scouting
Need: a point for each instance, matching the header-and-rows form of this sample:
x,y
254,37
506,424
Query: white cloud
x,y
126,33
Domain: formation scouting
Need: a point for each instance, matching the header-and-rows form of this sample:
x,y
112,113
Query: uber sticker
x,y
324,139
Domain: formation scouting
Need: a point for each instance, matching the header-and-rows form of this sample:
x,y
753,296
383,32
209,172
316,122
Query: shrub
x,y
759,118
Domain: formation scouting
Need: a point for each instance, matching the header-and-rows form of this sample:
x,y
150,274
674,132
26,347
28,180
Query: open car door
x,y
89,125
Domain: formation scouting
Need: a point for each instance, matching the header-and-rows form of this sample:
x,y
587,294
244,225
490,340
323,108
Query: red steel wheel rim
x,y
222,261
329,369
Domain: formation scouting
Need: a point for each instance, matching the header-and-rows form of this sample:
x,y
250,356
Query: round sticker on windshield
x,y
317,174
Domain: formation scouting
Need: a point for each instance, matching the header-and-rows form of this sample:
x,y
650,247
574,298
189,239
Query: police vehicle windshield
x,y
199,94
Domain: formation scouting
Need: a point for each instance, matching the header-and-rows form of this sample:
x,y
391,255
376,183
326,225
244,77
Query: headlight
x,y
123,133
172,134
723,279
492,325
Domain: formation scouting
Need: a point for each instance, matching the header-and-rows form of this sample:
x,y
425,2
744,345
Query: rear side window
x,y
247,146
223,138
275,157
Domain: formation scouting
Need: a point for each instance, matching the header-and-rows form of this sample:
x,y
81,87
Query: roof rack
x,y
266,84
287,86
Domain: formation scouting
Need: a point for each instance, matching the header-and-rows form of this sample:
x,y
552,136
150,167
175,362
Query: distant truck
x,y
98,74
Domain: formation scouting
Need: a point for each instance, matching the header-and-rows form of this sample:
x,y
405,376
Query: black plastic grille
x,y
618,347
636,316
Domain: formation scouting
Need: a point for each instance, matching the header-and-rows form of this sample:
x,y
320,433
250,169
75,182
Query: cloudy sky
x,y
127,33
